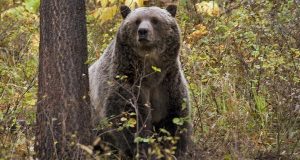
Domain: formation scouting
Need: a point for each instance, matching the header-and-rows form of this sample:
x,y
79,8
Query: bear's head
x,y
149,29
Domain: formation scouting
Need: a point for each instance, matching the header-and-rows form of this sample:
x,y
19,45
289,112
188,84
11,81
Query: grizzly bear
x,y
140,75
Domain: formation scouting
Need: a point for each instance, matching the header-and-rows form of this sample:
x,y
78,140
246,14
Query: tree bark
x,y
63,108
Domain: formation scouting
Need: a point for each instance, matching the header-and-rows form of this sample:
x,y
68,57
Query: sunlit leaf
x,y
164,131
104,3
131,122
107,13
32,5
138,139
178,121
200,32
134,3
88,149
156,69
123,119
16,12
211,8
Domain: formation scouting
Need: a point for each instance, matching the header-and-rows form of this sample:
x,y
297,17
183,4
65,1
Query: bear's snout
x,y
144,32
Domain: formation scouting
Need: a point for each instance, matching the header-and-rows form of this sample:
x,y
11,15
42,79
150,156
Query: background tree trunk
x,y
63,108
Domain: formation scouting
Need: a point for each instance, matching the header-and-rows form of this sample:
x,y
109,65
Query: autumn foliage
x,y
241,58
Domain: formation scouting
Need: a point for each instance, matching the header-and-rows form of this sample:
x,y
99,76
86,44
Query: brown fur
x,y
147,37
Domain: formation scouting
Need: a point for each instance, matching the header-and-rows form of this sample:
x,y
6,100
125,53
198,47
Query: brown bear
x,y
140,73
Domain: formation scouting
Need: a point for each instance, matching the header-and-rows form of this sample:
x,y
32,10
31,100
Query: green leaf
x,y
164,131
132,113
121,77
32,5
16,12
178,121
138,139
131,122
144,140
123,119
183,2
156,69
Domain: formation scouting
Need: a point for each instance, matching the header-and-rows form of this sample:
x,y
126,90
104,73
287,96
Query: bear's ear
x,y
172,9
125,10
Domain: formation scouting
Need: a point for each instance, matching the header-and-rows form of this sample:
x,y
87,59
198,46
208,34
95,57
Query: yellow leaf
x,y
211,8
201,27
200,32
107,13
88,149
134,3
104,3
131,122
156,69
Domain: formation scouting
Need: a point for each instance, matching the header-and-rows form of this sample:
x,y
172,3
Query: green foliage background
x,y
242,65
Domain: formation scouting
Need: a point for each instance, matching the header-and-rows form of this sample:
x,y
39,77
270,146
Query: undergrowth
x,y
242,64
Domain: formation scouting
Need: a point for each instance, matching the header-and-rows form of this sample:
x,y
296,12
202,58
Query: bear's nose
x,y
143,32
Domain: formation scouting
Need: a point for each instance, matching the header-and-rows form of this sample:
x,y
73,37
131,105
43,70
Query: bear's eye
x,y
154,20
138,21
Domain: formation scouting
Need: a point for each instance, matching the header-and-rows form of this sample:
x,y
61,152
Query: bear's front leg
x,y
119,111
178,108
144,121
131,104
143,130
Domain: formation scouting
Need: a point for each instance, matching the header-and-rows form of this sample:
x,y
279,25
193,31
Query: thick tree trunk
x,y
63,108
